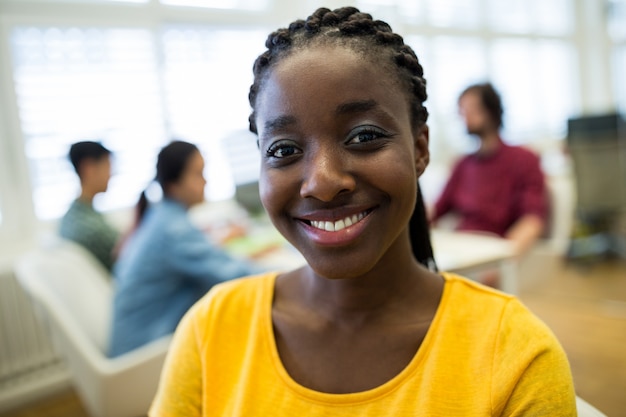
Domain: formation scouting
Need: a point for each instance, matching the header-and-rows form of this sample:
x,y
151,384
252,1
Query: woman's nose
x,y
326,175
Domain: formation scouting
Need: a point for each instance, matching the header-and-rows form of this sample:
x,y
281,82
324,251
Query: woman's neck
x,y
389,287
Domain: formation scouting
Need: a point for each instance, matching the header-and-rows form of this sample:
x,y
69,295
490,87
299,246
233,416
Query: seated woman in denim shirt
x,y
167,264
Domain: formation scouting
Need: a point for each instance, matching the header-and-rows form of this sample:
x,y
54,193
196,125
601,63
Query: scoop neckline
x,y
349,398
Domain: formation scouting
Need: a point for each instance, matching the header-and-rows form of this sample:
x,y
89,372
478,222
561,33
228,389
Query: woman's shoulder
x,y
490,308
462,287
466,298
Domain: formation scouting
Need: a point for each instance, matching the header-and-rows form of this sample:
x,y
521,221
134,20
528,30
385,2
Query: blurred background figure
x,y
498,189
167,263
82,223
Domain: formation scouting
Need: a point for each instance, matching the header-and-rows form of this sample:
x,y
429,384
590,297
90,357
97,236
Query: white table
x,y
467,253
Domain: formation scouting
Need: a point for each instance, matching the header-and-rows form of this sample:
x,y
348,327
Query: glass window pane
x,y
208,73
105,1
456,62
514,72
556,80
454,13
85,83
393,11
553,17
617,19
537,81
619,69
412,10
510,16
221,4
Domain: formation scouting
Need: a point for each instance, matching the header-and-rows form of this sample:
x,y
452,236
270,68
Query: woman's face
x,y
340,159
189,189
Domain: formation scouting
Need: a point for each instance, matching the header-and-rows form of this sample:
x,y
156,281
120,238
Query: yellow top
x,y
485,354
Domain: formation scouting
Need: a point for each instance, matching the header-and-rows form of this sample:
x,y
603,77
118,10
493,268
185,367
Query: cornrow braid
x,y
358,31
350,27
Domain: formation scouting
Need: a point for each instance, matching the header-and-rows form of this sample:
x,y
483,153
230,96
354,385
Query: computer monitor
x,y
247,195
597,145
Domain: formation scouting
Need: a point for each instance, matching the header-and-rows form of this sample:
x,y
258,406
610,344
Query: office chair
x,y
73,296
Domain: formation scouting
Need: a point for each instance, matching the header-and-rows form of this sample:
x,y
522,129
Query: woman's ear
x,y
420,144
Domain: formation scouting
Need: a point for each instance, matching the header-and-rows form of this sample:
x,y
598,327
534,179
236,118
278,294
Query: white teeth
x,y
339,224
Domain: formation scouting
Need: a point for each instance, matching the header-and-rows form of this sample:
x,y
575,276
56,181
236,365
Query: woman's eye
x,y
366,135
282,150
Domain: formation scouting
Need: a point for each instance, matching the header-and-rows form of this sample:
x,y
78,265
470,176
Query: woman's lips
x,y
338,225
336,232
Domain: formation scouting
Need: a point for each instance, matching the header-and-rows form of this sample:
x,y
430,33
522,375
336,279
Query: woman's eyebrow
x,y
356,107
279,123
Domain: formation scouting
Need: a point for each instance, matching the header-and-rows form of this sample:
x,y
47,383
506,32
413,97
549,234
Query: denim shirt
x,y
164,268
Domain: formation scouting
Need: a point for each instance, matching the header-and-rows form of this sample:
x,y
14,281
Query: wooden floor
x,y
584,305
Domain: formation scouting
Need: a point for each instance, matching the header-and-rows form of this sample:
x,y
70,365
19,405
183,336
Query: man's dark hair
x,y
81,151
490,100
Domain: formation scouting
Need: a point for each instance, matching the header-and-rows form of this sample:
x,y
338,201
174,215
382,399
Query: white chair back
x,y
587,410
70,284
74,294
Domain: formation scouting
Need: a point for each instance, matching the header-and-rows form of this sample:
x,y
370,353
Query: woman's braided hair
x,y
358,31
345,26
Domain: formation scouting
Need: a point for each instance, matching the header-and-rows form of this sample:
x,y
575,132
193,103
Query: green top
x,y
87,227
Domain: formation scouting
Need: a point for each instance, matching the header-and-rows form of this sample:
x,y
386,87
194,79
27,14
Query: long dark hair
x,y
171,163
358,31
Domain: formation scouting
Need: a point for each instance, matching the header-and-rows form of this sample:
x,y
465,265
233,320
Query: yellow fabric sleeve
x,y
180,386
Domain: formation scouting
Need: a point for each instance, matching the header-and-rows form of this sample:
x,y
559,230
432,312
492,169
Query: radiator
x,y
29,365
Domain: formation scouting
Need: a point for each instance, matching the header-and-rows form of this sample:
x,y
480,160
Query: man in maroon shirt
x,y
499,189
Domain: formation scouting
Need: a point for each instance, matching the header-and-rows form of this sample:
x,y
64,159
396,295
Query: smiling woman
x,y
365,327
329,163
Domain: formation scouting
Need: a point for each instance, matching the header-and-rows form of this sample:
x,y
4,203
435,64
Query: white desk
x,y
467,253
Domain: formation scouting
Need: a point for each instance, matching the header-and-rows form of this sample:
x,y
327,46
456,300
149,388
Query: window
x,y
617,33
544,17
208,73
536,80
445,82
619,69
220,4
525,47
453,13
81,83
85,83
139,72
616,10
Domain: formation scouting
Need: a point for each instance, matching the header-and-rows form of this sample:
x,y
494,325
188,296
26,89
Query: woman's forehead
x,y
334,69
